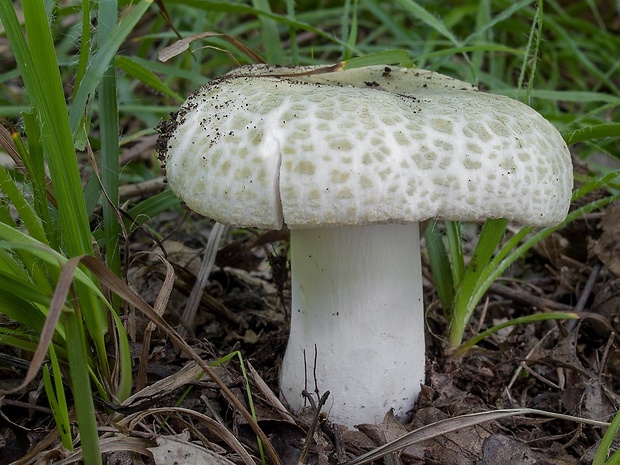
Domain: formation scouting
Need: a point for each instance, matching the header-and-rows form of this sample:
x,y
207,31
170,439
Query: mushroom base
x,y
357,301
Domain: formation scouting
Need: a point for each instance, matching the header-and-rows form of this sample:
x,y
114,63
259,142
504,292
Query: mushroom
x,y
351,161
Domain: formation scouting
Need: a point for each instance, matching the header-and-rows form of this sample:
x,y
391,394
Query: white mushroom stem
x,y
357,297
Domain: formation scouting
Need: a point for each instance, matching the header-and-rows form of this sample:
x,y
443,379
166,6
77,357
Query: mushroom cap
x,y
317,145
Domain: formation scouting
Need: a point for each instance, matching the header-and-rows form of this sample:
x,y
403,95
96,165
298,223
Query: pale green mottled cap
x,y
266,145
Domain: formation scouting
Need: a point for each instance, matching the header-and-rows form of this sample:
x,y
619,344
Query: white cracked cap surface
x,y
371,145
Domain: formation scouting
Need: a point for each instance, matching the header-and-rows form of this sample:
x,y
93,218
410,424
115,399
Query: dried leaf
x,y
500,450
607,246
178,449
182,45
450,425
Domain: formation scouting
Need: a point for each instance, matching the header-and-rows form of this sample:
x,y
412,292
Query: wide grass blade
x,y
440,268
468,289
588,133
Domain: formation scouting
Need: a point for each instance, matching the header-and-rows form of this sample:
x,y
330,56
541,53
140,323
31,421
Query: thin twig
x,y
208,259
313,425
585,295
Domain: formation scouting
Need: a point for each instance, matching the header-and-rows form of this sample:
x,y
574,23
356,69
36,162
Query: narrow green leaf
x,y
349,34
18,340
606,443
102,58
21,309
386,57
292,33
270,34
598,131
418,11
147,77
514,322
34,161
563,95
84,46
58,401
487,24
455,250
81,388
109,152
26,214
482,47
440,268
12,239
466,294
152,207
579,55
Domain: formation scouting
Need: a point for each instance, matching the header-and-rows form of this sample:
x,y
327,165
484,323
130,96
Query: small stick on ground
x,y
315,420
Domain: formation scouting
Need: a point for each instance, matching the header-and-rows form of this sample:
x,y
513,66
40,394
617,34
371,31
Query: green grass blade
x,y
440,268
34,161
455,249
12,239
531,53
18,340
576,96
58,401
152,207
484,34
32,223
481,47
81,384
84,46
468,290
606,443
292,33
102,58
56,410
19,308
110,172
596,183
144,75
109,163
556,27
418,11
514,322
486,24
270,35
349,32
385,57
588,133
26,214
